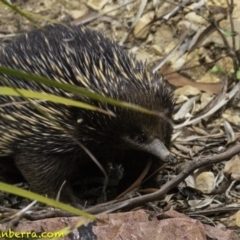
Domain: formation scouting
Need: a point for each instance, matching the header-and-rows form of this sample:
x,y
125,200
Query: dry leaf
x,y
195,18
97,4
178,80
204,182
141,28
181,99
187,91
238,218
232,168
77,13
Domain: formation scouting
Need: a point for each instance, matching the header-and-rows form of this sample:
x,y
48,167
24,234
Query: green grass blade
x,y
51,202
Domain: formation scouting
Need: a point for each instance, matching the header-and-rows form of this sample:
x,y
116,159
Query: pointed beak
x,y
158,149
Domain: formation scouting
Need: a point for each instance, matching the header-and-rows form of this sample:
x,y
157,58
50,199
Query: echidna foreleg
x,y
46,174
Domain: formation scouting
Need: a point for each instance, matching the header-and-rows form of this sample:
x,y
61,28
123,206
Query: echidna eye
x,y
138,137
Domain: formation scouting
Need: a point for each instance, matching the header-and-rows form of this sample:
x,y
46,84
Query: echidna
x,y
44,153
